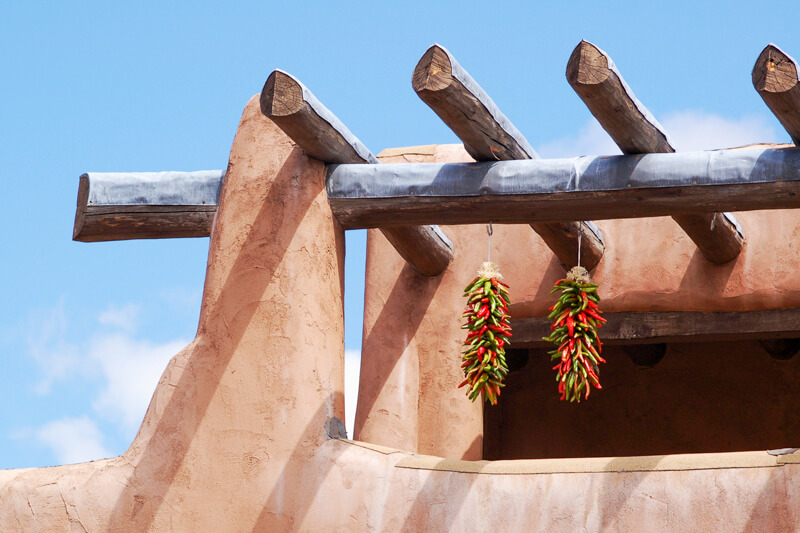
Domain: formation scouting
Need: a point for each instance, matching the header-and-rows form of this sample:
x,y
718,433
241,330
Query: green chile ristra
x,y
488,322
576,318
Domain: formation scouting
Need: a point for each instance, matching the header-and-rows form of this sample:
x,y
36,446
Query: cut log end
x,y
282,95
80,211
587,65
434,70
774,71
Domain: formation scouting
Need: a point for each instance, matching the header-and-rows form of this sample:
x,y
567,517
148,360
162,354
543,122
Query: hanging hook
x,y
489,231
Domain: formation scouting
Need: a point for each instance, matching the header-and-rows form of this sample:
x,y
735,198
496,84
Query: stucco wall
x,y
234,438
412,335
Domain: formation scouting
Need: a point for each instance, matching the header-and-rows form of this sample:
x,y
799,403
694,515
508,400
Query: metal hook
x,y
489,230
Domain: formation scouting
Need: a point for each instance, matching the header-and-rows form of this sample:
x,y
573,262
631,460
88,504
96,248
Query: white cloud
x,y
688,130
697,130
131,369
122,317
352,371
592,139
118,370
73,440
56,358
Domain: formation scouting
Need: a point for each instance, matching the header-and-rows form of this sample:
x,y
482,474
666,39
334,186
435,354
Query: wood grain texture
x,y
669,326
355,213
562,239
716,235
426,248
488,135
592,75
775,77
320,134
465,107
96,220
692,183
595,78
310,124
163,222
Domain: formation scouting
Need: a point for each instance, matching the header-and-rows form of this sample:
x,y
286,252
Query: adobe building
x,y
694,428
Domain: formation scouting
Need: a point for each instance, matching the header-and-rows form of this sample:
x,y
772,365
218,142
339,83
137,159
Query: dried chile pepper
x,y
576,318
489,328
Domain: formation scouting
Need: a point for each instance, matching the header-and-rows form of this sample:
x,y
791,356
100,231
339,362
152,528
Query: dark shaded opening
x,y
687,398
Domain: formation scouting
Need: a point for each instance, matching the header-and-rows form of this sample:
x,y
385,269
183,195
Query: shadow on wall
x,y
413,293
164,453
298,483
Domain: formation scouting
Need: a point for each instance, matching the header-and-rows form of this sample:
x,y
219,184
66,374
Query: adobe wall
x,y
226,441
412,335
235,439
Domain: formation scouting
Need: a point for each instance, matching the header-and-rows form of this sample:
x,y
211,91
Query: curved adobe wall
x,y
233,439
225,443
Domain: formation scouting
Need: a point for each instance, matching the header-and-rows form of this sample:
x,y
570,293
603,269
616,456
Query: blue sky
x,y
86,329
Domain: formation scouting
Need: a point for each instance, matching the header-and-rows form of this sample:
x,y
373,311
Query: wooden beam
x,y
599,84
562,239
461,103
146,205
465,107
309,123
520,192
593,75
775,77
673,326
431,253
718,236
323,136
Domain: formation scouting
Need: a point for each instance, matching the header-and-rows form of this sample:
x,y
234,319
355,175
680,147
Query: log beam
x,y
674,326
488,135
323,136
775,77
540,190
593,75
146,205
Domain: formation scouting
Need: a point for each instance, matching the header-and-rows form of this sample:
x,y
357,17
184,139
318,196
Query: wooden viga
x,y
507,184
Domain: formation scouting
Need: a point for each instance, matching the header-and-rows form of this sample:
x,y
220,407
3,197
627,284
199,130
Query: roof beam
x,y
673,326
146,205
442,83
534,190
775,77
593,75
323,136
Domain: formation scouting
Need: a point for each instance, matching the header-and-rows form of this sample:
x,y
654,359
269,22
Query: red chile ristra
x,y
488,322
576,318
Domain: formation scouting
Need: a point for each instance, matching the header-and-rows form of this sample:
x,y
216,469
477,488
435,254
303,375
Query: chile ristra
x,y
576,318
488,322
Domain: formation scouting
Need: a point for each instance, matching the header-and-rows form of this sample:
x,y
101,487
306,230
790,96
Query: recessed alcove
x,y
699,398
